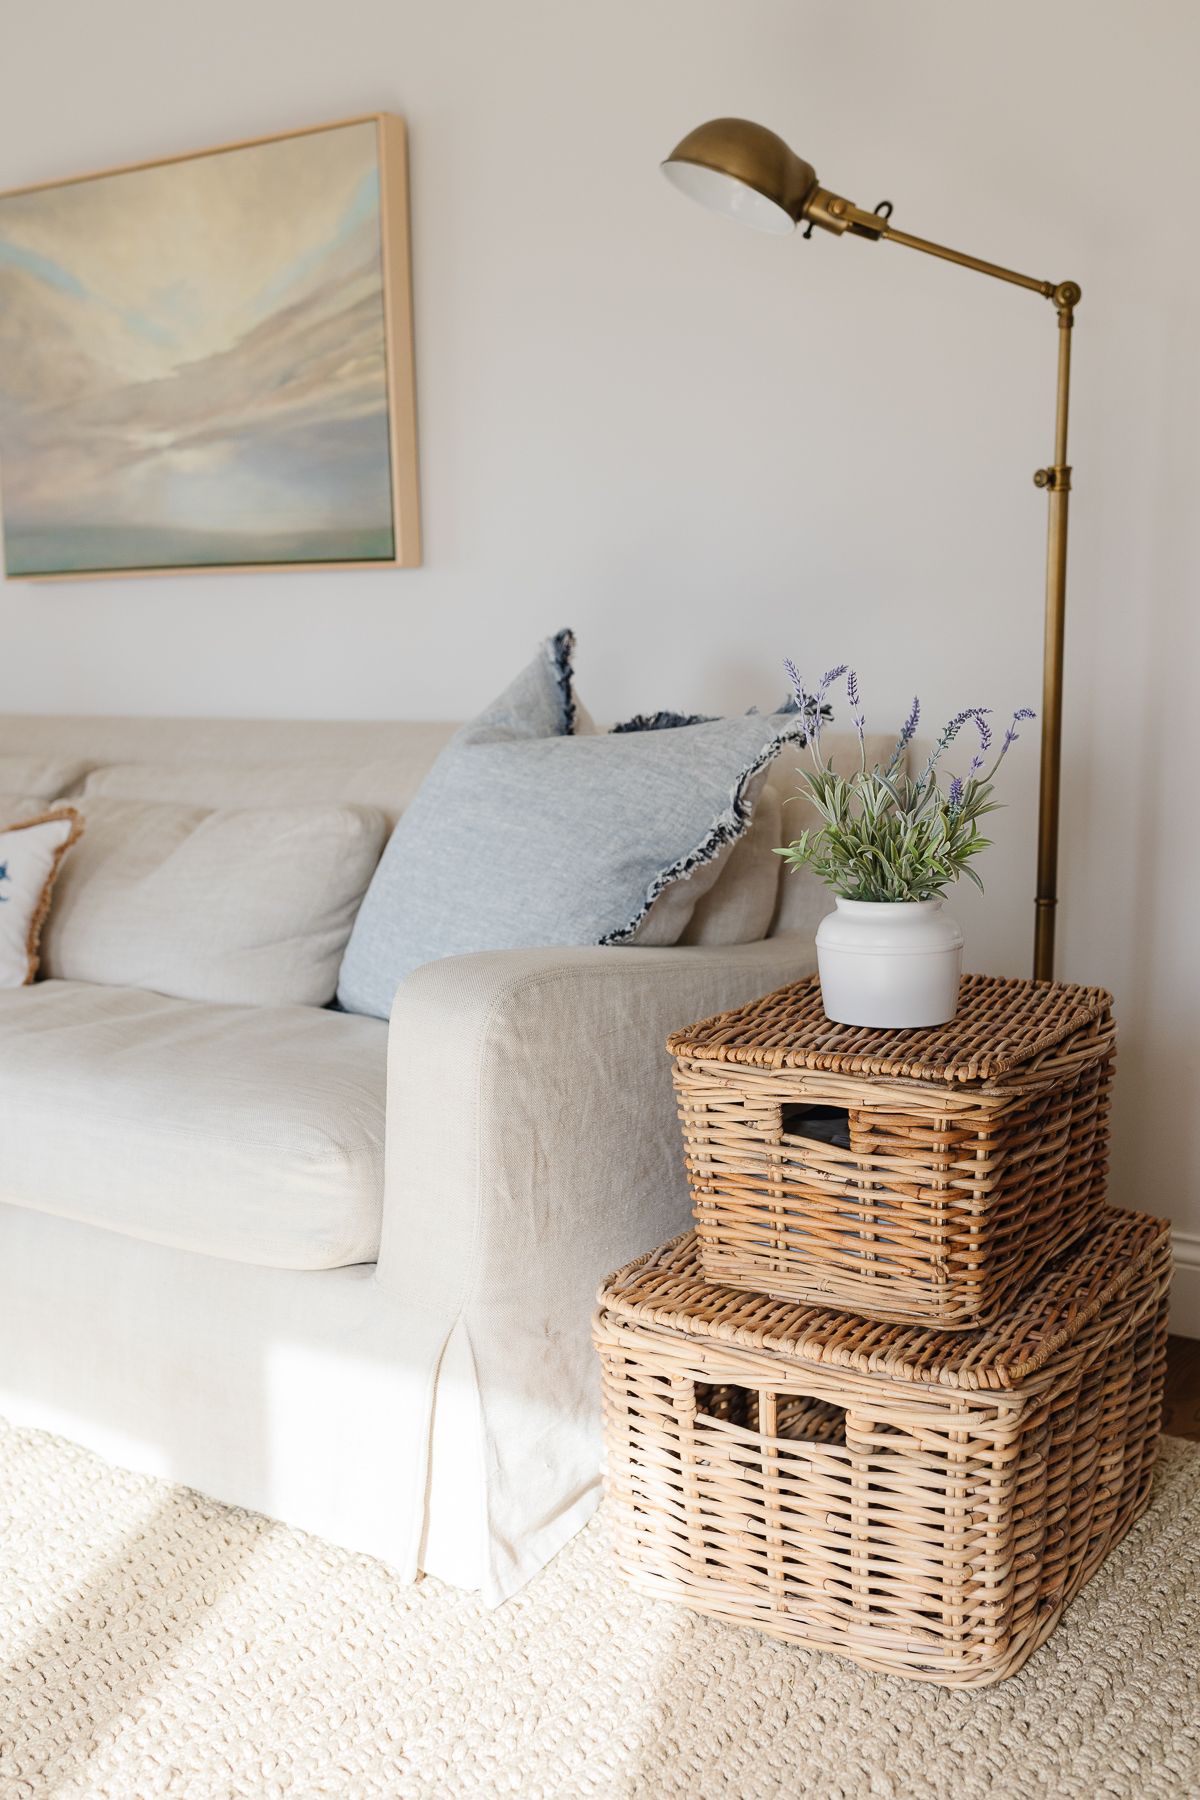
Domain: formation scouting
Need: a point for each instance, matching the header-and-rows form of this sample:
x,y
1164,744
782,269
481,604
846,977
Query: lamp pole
x,y
746,172
1055,478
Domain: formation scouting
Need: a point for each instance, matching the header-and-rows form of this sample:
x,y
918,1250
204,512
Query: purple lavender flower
x,y
816,715
820,712
1012,734
950,732
956,724
955,793
911,723
793,675
812,706
907,733
860,723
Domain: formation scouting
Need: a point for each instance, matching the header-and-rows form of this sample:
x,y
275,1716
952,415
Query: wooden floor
x,y
1181,1414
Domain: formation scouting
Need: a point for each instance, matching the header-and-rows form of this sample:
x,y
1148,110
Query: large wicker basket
x,y
923,1503
917,1175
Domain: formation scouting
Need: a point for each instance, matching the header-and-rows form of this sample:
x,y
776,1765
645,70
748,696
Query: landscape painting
x,y
206,362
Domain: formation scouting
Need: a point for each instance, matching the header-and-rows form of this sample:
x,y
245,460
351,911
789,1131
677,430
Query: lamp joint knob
x,y
1057,479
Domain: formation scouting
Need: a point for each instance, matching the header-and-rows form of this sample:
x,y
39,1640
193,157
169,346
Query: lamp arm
x,y
1048,289
839,215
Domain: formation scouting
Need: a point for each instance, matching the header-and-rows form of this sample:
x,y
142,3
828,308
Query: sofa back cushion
x,y
378,784
225,762
28,779
252,905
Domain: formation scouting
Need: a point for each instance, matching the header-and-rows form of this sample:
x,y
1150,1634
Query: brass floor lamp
x,y
746,172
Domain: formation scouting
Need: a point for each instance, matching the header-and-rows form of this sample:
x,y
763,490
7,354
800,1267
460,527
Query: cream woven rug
x,y
155,1643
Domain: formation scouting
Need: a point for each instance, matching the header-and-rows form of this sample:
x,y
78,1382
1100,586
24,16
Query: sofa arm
x,y
532,1147
530,1109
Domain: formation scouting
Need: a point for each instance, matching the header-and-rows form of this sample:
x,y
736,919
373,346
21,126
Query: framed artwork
x,y
206,362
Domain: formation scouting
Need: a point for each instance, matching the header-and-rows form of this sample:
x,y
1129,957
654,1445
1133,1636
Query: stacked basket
x,y
898,1393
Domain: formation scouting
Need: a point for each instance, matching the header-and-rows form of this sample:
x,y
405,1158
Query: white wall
x,y
706,449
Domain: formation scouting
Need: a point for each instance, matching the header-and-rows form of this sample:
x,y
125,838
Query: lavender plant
x,y
888,835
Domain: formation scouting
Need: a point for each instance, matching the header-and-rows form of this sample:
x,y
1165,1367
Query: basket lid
x,y
667,1289
999,1025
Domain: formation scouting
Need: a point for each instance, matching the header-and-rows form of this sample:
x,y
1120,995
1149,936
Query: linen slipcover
x,y
436,1407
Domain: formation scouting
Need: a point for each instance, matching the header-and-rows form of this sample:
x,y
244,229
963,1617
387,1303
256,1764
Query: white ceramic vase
x,y
890,963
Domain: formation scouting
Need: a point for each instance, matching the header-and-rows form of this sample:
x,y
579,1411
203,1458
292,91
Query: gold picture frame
x,y
206,361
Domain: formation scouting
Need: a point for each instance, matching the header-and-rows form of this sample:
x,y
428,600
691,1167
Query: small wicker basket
x,y
919,1176
922,1502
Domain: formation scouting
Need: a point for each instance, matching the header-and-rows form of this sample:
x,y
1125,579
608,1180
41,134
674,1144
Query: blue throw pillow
x,y
524,834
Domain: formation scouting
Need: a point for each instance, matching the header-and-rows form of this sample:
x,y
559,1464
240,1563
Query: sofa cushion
x,y
253,1133
251,906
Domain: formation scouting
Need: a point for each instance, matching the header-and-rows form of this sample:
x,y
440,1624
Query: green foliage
x,y
887,835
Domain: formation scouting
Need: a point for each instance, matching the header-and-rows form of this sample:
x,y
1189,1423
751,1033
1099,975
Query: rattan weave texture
x,y
965,1158
668,1290
922,1503
1000,1024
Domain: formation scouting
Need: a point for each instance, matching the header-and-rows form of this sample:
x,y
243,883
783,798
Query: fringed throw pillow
x,y
531,831
31,854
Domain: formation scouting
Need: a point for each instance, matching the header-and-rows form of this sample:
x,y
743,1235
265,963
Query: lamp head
x,y
744,171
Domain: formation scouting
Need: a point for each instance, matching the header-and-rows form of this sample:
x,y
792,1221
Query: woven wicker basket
x,y
923,1503
919,1176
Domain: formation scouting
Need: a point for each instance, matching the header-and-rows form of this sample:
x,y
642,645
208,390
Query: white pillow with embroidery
x,y
31,854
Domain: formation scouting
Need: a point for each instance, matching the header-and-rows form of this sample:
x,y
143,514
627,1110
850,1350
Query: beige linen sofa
x,y
331,1268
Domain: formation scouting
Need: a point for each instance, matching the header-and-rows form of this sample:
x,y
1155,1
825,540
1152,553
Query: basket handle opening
x,y
816,1123
771,1413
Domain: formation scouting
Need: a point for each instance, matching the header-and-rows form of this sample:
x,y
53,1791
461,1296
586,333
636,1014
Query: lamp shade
x,y
744,171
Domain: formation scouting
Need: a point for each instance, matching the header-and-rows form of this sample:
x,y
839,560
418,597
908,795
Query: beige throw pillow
x,y
730,899
739,906
31,855
250,906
